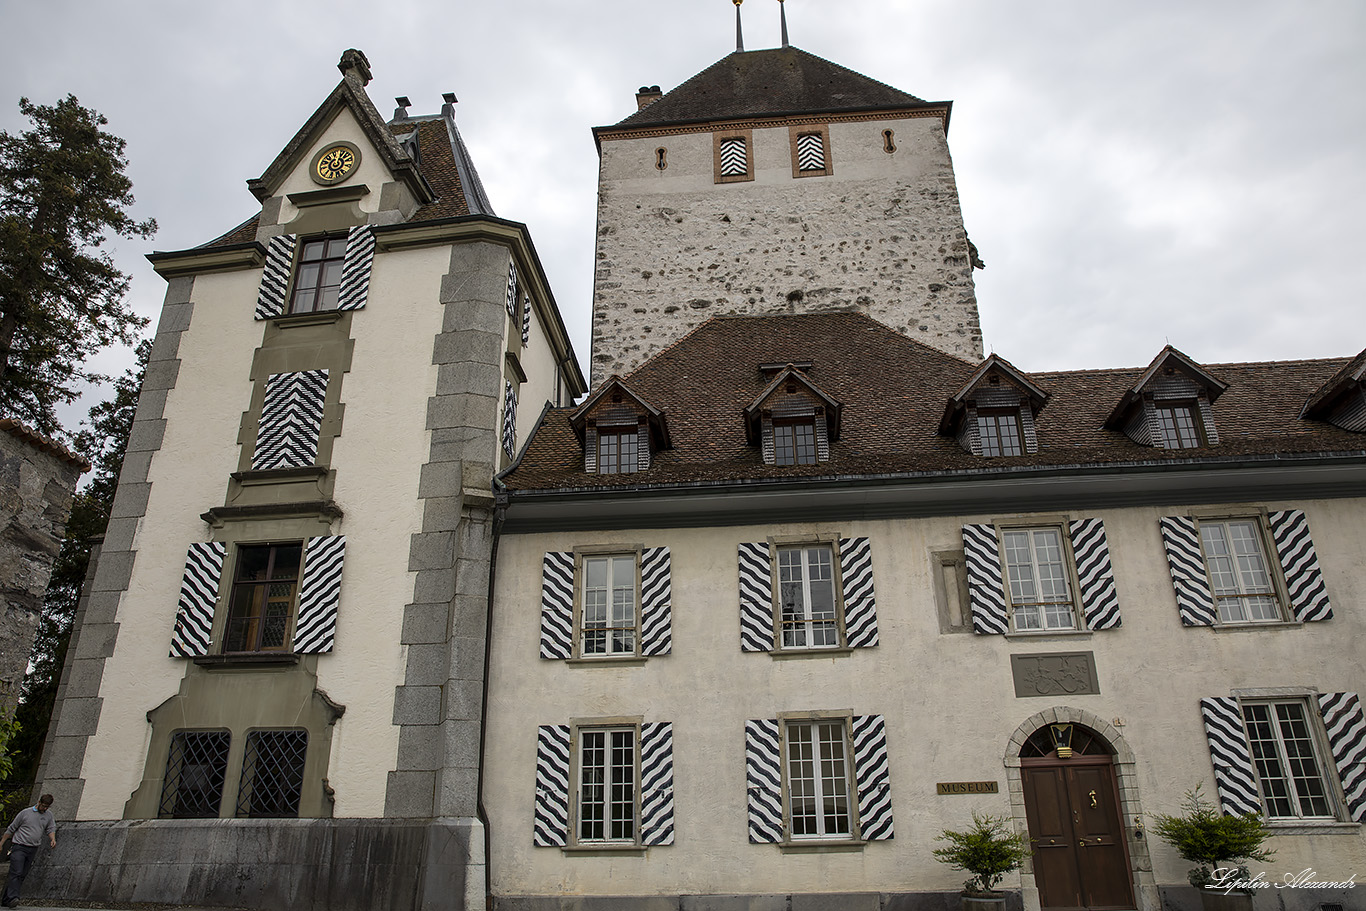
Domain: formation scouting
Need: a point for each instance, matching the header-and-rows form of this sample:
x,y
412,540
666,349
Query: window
x,y
806,595
1238,571
272,774
318,276
731,154
195,770
1178,426
794,442
1036,579
1000,433
618,448
818,780
263,598
607,785
609,606
1289,773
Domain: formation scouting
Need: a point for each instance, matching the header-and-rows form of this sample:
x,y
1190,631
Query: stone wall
x,y
882,234
37,482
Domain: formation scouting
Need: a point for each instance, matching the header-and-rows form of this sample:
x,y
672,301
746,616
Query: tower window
x,y
317,281
263,598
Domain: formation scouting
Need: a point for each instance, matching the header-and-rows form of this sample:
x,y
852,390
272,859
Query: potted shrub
x,y
1220,846
988,850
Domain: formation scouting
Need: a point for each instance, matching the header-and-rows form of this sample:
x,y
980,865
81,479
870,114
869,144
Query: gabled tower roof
x,y
775,82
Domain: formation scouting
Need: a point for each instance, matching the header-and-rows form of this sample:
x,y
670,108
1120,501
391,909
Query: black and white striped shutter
x,y
510,420
526,320
657,783
291,419
810,152
512,288
319,594
656,611
856,578
1234,775
1185,559
550,828
756,598
1095,578
872,778
557,605
1346,726
355,281
270,300
734,158
198,596
1300,566
986,591
764,780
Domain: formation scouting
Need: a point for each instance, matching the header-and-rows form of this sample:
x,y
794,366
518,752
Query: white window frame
x,y
819,782
1015,604
582,733
612,557
807,624
1241,589
1325,773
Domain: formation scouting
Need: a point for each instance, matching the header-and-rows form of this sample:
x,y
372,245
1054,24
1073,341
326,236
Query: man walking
x,y
27,830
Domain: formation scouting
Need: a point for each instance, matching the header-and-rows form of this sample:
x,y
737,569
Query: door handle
x,y
1092,795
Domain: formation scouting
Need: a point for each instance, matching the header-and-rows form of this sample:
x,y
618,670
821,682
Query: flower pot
x,y
994,902
1214,900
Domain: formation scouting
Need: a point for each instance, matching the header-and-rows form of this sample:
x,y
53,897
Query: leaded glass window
x,y
272,774
196,767
263,594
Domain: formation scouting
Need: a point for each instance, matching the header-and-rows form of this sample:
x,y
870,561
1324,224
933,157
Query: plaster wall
x,y
370,172
948,699
882,234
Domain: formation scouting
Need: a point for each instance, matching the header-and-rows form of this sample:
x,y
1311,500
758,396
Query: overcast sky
x,y
1133,174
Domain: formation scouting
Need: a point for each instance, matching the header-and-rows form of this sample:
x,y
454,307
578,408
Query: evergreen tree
x,y
103,438
63,193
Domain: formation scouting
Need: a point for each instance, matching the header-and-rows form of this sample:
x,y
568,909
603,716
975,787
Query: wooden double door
x,y
1076,829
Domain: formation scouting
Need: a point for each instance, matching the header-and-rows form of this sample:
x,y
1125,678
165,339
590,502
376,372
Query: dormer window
x,y
999,432
1178,424
992,414
1170,406
619,430
794,441
792,421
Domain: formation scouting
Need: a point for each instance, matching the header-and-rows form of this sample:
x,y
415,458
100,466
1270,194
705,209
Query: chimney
x,y
401,112
448,109
647,96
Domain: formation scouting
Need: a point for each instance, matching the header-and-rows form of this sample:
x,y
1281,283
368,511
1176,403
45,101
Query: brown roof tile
x,y
893,392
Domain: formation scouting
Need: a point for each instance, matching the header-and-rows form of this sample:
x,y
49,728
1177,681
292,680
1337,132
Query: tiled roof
x,y
768,83
43,444
893,392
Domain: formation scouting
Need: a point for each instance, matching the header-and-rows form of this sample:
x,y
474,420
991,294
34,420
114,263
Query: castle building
x,y
801,580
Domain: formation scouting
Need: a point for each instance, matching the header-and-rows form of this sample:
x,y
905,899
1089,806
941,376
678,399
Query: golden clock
x,y
335,163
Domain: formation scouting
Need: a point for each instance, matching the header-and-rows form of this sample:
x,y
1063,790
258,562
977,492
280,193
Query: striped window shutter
x,y
656,611
551,825
512,288
1346,727
856,577
1095,579
510,420
756,598
1234,775
526,320
810,152
291,419
764,780
657,783
557,605
270,300
319,594
1299,566
986,591
355,281
734,160
873,782
198,596
1185,559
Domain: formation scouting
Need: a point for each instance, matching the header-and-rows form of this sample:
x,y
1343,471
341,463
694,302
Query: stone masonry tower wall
x,y
881,233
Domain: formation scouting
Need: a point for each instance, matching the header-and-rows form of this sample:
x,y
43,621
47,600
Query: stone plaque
x,y
1055,674
966,787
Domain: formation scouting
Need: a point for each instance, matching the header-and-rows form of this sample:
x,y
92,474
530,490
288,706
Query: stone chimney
x,y
647,96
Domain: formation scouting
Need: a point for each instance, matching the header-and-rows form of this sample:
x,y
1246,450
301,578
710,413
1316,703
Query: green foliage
x,y
102,439
63,193
988,850
1200,833
9,726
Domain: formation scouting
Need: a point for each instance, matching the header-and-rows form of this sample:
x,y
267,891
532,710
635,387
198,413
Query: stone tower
x,y
777,181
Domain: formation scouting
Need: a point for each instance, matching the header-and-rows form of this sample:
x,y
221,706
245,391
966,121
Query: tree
x,y
103,438
63,193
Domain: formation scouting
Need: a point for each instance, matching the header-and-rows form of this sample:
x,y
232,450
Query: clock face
x,y
335,163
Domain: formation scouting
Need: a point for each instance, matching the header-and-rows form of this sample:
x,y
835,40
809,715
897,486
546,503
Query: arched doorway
x,y
1076,825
